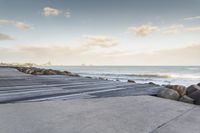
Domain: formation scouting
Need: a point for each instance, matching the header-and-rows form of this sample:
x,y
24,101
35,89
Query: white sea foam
x,y
185,75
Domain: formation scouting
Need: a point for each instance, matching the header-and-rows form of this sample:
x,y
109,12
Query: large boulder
x,y
179,88
186,99
196,96
198,84
192,88
168,94
67,73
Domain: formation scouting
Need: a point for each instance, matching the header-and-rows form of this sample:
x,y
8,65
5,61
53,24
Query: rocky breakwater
x,y
42,71
181,93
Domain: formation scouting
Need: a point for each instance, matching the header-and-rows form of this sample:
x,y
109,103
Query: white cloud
x,y
48,11
179,28
192,18
173,29
143,30
188,55
192,29
60,54
4,22
5,37
67,14
17,24
81,51
101,41
22,25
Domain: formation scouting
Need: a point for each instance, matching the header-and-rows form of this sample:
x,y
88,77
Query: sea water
x,y
183,75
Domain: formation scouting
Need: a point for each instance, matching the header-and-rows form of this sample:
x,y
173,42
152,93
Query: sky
x,y
100,32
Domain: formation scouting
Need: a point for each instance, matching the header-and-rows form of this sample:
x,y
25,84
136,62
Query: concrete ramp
x,y
10,72
131,114
19,87
98,106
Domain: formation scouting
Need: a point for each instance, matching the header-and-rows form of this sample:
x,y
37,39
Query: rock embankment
x,y
181,93
42,71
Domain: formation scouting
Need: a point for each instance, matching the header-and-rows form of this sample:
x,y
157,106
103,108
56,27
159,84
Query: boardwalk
x,y
19,87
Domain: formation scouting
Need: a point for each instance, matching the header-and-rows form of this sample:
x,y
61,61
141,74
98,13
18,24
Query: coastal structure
x,y
60,103
16,86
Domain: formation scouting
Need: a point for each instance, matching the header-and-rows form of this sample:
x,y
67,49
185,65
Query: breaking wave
x,y
176,76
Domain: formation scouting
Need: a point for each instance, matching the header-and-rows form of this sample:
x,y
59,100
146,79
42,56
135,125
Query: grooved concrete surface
x,y
61,104
131,114
19,87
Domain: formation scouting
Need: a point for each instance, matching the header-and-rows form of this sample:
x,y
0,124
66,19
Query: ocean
x,y
182,75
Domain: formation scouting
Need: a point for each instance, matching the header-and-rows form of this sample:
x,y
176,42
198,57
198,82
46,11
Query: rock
x,y
30,71
186,99
192,88
37,73
41,71
48,72
88,77
44,72
75,75
27,71
21,69
51,72
198,84
168,94
63,73
196,96
179,88
152,83
131,81
59,72
101,78
67,73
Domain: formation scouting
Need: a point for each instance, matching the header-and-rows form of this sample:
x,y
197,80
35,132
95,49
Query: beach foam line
x,y
149,75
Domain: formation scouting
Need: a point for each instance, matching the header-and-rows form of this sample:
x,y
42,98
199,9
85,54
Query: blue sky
x,y
106,29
